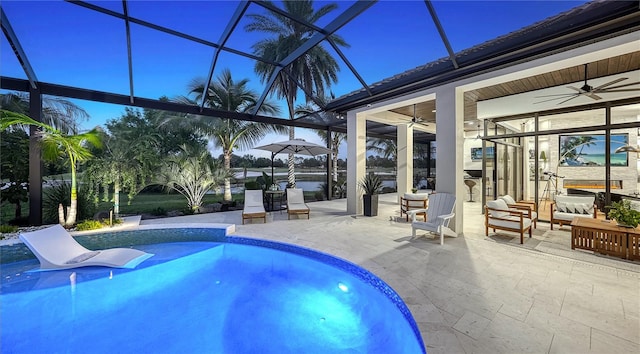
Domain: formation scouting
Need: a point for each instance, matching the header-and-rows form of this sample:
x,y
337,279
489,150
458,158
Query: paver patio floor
x,y
474,294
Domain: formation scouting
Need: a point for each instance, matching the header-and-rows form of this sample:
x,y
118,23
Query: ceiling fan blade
x,y
576,89
625,85
555,98
623,90
569,99
593,95
609,83
559,94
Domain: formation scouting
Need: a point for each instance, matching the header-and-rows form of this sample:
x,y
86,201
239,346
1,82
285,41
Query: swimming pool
x,y
224,295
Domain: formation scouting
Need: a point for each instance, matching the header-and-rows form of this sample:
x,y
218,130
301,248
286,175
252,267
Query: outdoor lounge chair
x,y
253,205
498,215
439,214
295,202
55,248
529,207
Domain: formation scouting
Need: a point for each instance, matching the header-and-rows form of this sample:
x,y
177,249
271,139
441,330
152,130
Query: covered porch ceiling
x,y
425,113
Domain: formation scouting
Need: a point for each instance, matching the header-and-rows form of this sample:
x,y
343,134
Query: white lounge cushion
x,y
412,200
416,196
575,199
512,222
569,216
498,208
508,199
297,206
253,210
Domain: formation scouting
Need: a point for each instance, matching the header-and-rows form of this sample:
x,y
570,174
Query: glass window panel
x,y
111,5
572,120
243,68
10,65
626,114
164,65
515,126
203,19
71,45
415,41
626,169
99,113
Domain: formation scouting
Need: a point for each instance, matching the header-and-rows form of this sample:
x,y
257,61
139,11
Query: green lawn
x,y
149,203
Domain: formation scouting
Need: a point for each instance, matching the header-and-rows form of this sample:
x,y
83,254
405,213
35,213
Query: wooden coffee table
x,y
602,236
633,244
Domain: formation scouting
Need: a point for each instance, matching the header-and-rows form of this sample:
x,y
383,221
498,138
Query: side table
x,y
271,196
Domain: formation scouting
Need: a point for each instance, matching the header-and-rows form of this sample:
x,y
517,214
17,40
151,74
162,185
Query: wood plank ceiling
x,y
605,67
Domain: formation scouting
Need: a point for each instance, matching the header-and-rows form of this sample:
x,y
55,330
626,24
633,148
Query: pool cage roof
x,y
127,50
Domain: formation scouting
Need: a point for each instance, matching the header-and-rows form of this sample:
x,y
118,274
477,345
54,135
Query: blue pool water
x,y
235,295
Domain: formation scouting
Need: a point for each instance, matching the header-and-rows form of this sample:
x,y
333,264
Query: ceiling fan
x,y
415,118
590,91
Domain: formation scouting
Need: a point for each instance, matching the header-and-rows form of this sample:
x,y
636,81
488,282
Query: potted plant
x,y
623,213
371,185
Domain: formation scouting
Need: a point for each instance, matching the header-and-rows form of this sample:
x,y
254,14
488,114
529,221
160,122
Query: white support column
x,y
356,159
449,147
404,178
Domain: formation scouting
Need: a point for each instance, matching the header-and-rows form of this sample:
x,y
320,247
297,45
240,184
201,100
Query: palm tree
x,y
56,144
335,139
385,147
123,164
230,134
314,70
56,112
192,173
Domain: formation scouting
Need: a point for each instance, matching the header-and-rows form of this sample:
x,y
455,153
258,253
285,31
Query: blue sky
x,y
70,45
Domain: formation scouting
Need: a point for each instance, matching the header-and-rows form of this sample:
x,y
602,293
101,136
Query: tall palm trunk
x,y
291,173
116,197
73,209
227,180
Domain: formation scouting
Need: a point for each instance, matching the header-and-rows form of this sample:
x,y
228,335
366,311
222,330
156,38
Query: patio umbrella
x,y
295,146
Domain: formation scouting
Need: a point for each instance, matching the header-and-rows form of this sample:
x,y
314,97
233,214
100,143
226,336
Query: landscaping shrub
x,y
159,211
61,193
89,225
7,229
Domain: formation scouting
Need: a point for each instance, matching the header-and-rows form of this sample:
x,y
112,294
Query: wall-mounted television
x,y
476,153
589,150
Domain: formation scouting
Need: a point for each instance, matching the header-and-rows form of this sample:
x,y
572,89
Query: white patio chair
x,y
253,205
439,214
529,207
498,215
295,203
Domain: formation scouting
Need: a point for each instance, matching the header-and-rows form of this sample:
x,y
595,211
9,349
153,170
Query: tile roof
x,y
521,44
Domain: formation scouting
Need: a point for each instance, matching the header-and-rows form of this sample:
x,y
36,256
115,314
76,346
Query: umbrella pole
x,y
272,180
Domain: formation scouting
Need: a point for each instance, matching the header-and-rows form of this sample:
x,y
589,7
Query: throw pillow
x,y
561,207
501,205
578,208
